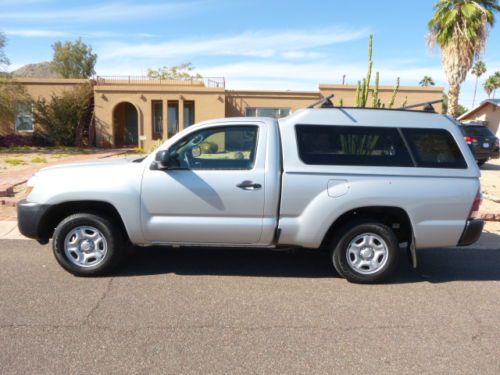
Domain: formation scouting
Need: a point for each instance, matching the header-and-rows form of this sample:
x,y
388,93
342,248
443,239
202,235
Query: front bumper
x,y
472,232
29,219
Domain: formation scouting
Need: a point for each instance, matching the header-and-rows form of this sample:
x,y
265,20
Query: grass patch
x,y
39,159
138,150
15,161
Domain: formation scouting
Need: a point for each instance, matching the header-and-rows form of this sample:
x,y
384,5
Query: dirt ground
x,y
490,186
19,158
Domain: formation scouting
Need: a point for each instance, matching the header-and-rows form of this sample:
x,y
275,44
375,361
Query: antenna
x,y
427,105
324,102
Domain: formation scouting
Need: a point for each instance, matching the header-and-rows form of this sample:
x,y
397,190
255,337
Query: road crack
x,y
86,321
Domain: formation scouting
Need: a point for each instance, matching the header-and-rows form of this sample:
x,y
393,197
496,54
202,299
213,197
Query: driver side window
x,y
229,147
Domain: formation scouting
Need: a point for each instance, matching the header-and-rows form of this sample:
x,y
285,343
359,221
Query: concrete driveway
x,y
229,311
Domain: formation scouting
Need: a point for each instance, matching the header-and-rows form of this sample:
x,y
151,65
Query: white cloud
x,y
261,44
316,72
36,33
40,33
21,2
296,55
116,10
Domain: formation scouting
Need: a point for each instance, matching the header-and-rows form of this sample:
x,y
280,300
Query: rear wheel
x,y
367,252
87,245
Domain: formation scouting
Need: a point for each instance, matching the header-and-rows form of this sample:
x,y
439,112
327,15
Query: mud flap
x,y
412,252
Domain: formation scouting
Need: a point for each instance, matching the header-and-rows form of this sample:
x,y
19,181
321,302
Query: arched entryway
x,y
126,125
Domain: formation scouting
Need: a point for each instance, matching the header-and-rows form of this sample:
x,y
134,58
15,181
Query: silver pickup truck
x,y
361,183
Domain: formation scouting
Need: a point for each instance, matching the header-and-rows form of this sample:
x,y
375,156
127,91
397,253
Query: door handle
x,y
249,185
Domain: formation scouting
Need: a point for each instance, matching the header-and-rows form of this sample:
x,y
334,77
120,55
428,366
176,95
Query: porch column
x,y
181,113
164,120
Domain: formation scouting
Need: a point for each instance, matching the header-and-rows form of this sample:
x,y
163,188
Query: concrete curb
x,y
9,231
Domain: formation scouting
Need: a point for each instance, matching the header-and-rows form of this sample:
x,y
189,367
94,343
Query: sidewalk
x,y
9,231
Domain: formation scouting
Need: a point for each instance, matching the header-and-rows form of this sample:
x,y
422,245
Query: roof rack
x,y
324,102
427,105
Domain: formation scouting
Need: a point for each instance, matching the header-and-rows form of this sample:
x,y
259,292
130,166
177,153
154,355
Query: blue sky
x,y
257,44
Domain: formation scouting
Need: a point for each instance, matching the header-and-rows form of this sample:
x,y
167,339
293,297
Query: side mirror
x,y
162,160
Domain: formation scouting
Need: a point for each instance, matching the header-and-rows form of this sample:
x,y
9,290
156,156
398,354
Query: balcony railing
x,y
212,82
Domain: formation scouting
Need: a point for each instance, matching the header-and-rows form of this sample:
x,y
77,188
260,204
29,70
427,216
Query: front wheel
x,y
87,245
366,252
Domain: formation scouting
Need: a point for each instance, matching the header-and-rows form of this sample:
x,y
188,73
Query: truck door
x,y
213,191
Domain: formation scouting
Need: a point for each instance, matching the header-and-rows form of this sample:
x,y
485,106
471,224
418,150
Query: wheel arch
x,y
394,217
56,213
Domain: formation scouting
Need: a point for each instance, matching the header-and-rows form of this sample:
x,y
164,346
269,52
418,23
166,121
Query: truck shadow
x,y
435,265
491,167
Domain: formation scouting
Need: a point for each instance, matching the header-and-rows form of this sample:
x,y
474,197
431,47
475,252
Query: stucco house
x,y
488,112
139,111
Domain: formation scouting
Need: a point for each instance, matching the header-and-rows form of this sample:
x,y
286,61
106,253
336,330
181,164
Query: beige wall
x,y
489,113
208,104
237,101
412,95
38,88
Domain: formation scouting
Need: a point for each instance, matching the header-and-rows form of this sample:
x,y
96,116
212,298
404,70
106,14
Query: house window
x,y
157,108
188,114
173,118
24,116
267,112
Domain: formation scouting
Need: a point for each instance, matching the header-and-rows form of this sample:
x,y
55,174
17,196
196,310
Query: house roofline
x,y
474,110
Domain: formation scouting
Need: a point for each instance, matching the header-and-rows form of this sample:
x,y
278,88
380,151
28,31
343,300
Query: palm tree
x,y
478,70
460,28
427,81
497,82
490,85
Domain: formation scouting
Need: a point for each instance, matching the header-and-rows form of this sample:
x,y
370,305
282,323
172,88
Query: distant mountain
x,y
39,70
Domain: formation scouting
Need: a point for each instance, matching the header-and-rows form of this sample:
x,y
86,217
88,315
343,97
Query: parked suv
x,y
482,142
360,183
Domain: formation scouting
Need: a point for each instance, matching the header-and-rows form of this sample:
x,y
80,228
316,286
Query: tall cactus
x,y
358,95
405,102
376,100
363,88
394,93
366,87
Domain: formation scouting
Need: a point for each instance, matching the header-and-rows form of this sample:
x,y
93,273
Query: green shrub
x,y
39,159
15,161
64,118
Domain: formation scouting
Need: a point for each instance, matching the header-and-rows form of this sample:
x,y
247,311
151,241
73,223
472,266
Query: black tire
x,y
348,233
113,238
481,162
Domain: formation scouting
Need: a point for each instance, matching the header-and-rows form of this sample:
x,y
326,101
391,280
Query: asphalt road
x,y
171,311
